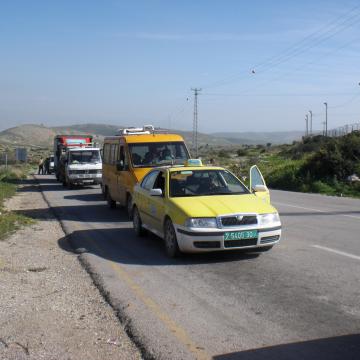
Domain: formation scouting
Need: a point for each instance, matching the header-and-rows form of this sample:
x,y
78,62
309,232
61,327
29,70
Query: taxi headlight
x,y
266,219
201,223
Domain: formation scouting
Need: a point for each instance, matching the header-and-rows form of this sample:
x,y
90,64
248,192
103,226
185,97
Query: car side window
x,y
256,178
160,182
149,180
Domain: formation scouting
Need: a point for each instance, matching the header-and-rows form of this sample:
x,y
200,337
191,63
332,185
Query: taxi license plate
x,y
239,235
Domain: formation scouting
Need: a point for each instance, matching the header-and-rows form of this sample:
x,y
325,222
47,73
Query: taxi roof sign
x,y
193,162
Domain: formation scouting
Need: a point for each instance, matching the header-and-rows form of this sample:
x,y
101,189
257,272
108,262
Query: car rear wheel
x,y
171,244
129,206
138,228
110,201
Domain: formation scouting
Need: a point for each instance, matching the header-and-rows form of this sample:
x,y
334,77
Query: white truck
x,y
82,166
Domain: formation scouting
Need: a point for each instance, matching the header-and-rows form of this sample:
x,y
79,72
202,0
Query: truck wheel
x,y
110,201
64,182
171,244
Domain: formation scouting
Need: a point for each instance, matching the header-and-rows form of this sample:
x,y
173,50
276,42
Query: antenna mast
x,y
195,122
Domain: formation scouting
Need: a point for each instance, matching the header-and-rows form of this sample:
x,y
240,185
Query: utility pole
x,y
307,125
195,122
326,118
310,122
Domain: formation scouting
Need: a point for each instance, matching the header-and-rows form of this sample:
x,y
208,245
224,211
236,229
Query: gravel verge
x,y
49,306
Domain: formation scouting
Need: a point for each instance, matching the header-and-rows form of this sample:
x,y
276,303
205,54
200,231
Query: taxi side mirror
x,y
156,192
259,188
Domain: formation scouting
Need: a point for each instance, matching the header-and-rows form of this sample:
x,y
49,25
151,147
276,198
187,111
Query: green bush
x,y
322,188
241,152
223,154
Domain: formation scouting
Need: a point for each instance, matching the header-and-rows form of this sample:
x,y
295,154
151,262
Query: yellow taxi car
x,y
197,208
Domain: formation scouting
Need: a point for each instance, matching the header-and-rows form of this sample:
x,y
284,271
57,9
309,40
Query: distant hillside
x,y
94,129
39,135
27,135
253,138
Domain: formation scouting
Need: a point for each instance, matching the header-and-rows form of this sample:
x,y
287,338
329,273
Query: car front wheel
x,y
137,223
171,244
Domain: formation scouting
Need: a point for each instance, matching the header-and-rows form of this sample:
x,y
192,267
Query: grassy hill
x,y
315,164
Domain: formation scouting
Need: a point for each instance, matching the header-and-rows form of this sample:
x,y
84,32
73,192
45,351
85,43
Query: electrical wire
x,y
323,34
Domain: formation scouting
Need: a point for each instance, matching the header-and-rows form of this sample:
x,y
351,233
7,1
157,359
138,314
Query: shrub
x,y
241,152
223,154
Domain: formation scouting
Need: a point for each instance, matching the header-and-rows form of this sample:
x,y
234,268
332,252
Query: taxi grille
x,y
269,239
207,244
235,220
240,243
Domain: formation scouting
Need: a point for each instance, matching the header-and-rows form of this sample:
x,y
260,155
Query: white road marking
x,y
300,207
352,256
317,210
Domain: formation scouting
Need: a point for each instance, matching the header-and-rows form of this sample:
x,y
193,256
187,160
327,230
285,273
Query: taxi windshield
x,y
159,153
204,183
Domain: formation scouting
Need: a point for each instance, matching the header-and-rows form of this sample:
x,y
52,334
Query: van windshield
x,y
159,153
84,156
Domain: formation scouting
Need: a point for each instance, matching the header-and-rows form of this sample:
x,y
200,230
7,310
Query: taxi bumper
x,y
214,240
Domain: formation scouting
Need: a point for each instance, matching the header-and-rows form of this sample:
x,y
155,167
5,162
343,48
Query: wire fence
x,y
12,157
344,130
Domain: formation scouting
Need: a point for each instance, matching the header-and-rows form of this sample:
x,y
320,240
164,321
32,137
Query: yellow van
x,y
127,157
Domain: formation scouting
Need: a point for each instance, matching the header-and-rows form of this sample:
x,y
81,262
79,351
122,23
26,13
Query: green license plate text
x,y
239,235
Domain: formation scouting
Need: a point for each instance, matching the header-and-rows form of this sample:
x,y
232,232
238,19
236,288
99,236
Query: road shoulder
x,y
49,306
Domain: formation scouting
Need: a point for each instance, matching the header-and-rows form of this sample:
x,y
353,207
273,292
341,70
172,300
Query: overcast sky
x,y
261,64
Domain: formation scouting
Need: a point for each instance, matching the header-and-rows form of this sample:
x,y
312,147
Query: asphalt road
x,y
301,300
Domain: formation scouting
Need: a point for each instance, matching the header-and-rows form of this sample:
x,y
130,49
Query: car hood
x,y
215,205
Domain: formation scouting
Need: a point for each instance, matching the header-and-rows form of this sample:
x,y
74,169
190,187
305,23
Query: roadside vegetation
x,y
317,164
9,180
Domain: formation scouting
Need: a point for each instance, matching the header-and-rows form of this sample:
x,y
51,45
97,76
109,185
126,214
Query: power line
x,y
279,94
325,33
322,38
324,29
